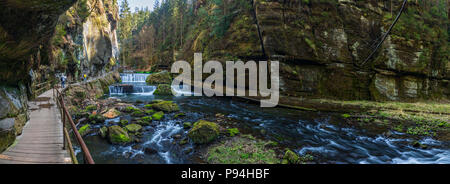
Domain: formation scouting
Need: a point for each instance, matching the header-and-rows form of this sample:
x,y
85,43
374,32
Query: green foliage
x,y
232,132
90,108
241,151
60,32
83,10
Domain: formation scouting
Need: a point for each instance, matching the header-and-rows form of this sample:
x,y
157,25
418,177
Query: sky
x,y
139,4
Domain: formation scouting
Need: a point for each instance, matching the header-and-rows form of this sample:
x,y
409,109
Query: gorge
x,y
333,107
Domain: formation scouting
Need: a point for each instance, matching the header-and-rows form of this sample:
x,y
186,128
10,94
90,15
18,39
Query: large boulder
x,y
117,135
84,130
203,132
133,128
290,157
7,135
158,116
159,78
111,114
166,106
163,89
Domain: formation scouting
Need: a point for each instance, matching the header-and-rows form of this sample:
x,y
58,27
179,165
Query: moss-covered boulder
x,y
84,130
138,113
290,157
95,119
133,128
123,122
103,131
111,114
163,89
159,78
158,116
203,132
165,106
117,135
187,125
146,120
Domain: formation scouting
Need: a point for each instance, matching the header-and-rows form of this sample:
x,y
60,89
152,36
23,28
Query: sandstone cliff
x,y
36,43
322,45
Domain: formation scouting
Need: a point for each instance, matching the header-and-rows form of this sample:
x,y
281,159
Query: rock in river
x,y
133,128
111,114
166,106
159,78
203,132
118,135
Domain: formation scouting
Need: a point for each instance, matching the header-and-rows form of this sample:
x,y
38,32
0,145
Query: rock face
x,y
333,38
86,39
36,43
13,113
93,89
321,46
203,132
24,27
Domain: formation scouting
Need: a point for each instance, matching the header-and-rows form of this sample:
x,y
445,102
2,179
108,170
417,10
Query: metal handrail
x,y
65,115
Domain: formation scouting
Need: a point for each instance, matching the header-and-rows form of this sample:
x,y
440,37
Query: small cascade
x,y
183,90
144,90
133,77
132,83
115,90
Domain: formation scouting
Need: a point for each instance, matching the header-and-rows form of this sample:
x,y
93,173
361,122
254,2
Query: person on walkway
x,y
63,81
85,77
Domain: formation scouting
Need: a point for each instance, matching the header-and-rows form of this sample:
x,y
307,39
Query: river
x,y
316,133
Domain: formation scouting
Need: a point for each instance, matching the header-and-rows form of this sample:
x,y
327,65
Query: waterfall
x,y
144,90
115,90
133,77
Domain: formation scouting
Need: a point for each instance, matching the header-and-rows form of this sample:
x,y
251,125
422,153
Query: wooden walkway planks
x,y
41,141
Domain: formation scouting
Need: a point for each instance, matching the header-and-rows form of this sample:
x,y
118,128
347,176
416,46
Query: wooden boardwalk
x,y
41,141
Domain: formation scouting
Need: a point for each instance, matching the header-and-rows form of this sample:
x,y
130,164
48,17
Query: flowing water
x,y
304,132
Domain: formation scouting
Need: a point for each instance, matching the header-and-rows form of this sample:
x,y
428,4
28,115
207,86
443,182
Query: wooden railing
x,y
42,87
59,97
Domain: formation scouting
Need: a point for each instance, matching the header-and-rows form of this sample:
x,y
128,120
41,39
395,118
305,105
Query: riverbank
x,y
415,119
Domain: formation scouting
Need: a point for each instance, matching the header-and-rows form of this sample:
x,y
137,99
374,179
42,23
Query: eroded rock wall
x,y
322,46
88,40
36,43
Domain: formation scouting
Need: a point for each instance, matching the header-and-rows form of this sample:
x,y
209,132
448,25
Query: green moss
x,y
91,108
346,115
240,150
137,113
232,132
118,135
84,129
203,132
103,131
163,89
150,112
187,125
133,128
166,106
291,157
179,115
147,119
124,122
158,116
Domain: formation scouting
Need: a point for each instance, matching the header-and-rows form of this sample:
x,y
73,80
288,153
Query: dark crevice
x,y
259,30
